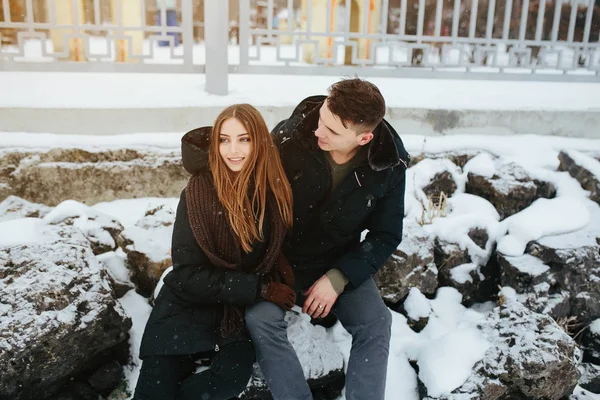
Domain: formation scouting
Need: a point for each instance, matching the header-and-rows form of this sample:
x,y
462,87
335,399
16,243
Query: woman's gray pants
x,y
364,315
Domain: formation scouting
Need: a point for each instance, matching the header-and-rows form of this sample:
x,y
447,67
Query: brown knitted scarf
x,y
211,228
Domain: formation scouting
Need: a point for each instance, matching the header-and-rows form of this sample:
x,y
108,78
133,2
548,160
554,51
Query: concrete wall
x,y
405,120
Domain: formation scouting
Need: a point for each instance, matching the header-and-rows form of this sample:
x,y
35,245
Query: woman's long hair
x,y
262,172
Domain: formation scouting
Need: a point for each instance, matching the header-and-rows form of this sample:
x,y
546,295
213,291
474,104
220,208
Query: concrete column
x,y
128,13
68,12
216,28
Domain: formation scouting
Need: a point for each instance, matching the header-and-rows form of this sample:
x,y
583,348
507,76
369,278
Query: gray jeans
x,y
364,315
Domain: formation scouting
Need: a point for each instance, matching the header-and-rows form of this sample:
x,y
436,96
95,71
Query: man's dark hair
x,y
356,102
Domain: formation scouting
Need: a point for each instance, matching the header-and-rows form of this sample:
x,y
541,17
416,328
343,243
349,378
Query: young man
x,y
347,166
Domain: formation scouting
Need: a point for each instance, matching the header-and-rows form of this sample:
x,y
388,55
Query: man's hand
x,y
320,298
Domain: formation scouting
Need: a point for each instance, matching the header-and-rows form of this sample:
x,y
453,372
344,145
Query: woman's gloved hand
x,y
278,293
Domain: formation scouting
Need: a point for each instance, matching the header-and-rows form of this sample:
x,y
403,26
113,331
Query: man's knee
x,y
380,320
265,316
376,324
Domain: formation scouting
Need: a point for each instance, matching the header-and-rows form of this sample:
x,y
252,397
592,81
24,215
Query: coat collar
x,y
386,150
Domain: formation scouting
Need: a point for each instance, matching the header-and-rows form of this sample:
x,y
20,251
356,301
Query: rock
x,y
510,189
442,182
535,285
530,357
461,269
459,159
147,245
590,377
560,274
411,265
103,231
321,360
417,309
14,207
575,270
57,314
575,164
82,391
106,378
449,255
590,343
91,177
434,176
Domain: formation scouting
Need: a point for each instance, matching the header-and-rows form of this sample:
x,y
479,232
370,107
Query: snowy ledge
x,y
104,103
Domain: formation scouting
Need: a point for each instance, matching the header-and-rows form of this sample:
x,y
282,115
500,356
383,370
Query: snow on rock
x,y
56,309
559,274
103,231
417,306
576,271
138,308
471,224
14,207
584,168
590,342
147,245
114,263
433,176
595,327
401,382
544,217
465,239
424,183
482,164
444,364
321,359
581,394
50,176
411,265
529,356
590,377
535,284
509,188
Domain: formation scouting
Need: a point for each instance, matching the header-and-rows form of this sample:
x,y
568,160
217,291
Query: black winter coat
x,y
189,309
327,228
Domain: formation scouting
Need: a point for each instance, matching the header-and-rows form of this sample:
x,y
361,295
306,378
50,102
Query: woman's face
x,y
234,144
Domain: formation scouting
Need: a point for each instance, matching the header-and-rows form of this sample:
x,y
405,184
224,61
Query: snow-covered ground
x,y
450,344
134,90
92,90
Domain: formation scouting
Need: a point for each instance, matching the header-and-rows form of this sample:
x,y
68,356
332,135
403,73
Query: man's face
x,y
332,136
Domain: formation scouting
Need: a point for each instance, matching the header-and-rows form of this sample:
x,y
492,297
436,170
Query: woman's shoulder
x,y
203,176
200,185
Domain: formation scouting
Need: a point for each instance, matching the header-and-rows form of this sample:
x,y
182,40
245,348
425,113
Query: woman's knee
x,y
234,367
265,315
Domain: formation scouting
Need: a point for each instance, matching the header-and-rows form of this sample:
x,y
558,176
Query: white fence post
x,y
187,26
216,35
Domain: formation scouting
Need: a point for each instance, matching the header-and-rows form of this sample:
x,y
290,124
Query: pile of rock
x,y
67,334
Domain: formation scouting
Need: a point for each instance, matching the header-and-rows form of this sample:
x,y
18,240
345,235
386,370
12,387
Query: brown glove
x,y
278,293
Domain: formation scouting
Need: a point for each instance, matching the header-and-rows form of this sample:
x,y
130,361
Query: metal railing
x,y
500,39
77,35
511,39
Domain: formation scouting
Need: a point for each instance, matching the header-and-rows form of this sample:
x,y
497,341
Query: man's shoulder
x,y
283,131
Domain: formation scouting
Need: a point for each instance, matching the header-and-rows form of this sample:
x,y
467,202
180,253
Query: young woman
x,y
229,228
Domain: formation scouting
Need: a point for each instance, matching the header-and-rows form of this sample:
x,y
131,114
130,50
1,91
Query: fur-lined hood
x,y
194,149
386,150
